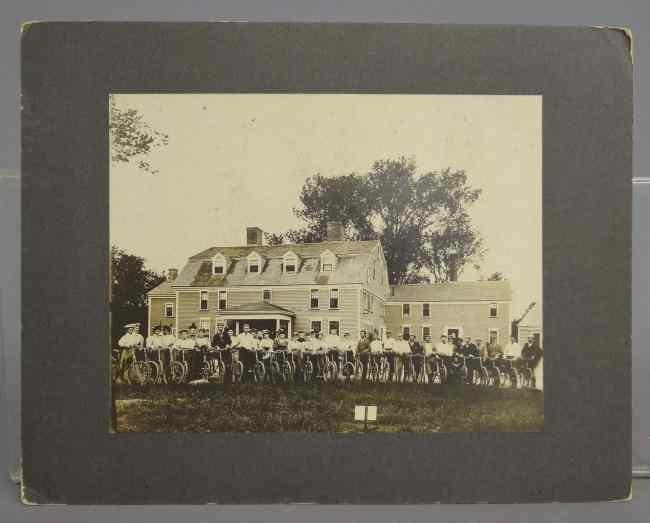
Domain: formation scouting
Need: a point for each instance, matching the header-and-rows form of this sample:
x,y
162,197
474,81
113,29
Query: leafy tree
x,y
131,137
130,282
421,220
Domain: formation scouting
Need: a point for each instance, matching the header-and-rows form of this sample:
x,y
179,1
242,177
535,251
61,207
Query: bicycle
x,y
179,368
213,368
438,370
327,366
458,368
139,370
509,371
384,367
496,375
478,374
307,367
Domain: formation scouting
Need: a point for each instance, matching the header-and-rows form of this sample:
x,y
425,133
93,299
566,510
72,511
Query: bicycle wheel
x,y
237,371
205,370
285,372
259,371
177,372
276,376
308,371
328,372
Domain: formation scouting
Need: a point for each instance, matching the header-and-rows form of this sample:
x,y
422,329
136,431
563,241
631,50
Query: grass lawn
x,y
326,408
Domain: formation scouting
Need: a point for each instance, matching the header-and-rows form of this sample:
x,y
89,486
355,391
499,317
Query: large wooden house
x,y
310,287
334,284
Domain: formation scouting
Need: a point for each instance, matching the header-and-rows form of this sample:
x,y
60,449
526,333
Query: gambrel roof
x,y
351,261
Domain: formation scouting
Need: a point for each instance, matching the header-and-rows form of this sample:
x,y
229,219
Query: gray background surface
x,y
634,14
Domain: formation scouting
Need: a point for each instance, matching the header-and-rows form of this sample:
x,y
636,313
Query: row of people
x,y
197,342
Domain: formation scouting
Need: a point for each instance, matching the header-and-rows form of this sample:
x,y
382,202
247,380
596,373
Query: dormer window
x,y
254,263
327,261
219,264
290,263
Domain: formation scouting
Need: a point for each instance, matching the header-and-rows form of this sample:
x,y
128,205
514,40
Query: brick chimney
x,y
335,232
172,274
254,236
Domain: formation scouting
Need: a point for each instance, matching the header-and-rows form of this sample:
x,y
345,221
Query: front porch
x,y
259,316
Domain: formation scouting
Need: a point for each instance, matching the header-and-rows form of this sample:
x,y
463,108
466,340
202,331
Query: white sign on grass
x,y
365,413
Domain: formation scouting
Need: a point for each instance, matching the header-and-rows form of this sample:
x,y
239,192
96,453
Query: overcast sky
x,y
240,160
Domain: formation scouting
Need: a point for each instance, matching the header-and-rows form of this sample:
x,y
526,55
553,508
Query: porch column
x,y
289,328
277,325
237,327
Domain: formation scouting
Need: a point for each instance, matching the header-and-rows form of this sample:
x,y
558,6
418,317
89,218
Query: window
x,y
334,298
494,310
327,261
204,301
204,323
334,324
494,336
266,295
406,310
314,300
316,325
223,300
169,310
406,331
426,332
365,299
426,310
374,270
290,263
254,262
219,264
392,291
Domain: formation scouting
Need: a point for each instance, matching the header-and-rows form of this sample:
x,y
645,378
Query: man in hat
x,y
531,352
363,350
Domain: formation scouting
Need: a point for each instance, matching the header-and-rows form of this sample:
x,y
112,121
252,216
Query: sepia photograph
x,y
342,263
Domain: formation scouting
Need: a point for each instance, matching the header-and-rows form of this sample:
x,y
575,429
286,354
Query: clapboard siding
x,y
373,321
296,299
157,312
473,318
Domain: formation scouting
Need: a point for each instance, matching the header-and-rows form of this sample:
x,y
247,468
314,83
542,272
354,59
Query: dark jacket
x,y
532,352
221,340
416,347
363,345
472,350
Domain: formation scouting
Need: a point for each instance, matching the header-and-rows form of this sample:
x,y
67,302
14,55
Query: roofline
x,y
443,302
287,245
